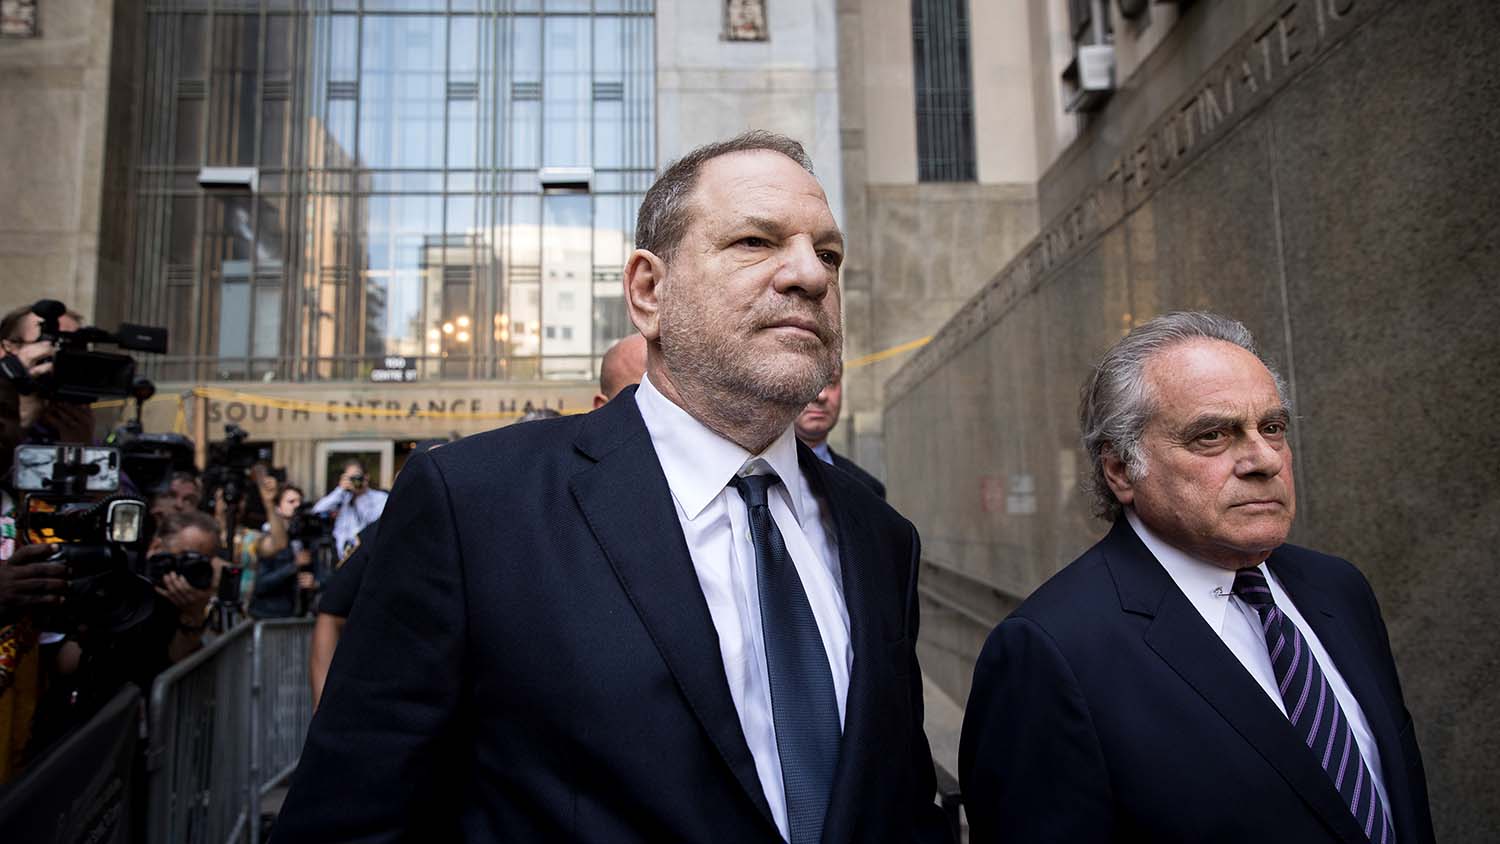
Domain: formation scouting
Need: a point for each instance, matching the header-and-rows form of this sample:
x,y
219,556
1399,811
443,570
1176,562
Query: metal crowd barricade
x,y
226,726
198,761
283,705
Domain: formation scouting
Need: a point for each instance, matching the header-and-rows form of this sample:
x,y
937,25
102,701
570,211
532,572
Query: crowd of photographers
x,y
118,558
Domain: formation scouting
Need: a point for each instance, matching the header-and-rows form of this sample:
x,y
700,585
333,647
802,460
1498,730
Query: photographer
x,y
247,544
26,584
185,574
357,503
186,536
288,570
29,364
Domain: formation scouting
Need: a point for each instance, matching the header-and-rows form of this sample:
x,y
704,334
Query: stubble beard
x,y
695,355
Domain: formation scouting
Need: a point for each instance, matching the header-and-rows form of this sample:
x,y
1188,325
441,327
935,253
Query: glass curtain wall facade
x,y
450,181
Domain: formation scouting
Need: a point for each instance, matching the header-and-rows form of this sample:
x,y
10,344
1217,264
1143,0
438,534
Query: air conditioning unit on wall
x,y
1089,79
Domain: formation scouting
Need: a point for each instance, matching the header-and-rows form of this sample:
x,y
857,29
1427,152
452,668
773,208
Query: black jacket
x,y
531,655
859,474
1105,709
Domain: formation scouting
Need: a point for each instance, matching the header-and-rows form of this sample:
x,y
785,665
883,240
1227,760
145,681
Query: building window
x,y
399,209
945,95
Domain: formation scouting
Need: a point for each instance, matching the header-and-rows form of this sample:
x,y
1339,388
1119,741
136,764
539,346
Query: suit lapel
x,y
625,499
856,557
1178,634
1353,664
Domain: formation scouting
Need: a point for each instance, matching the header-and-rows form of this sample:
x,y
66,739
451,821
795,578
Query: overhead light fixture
x,y
566,179
235,179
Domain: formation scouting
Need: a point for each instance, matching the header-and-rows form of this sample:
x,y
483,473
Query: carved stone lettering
x,y
1286,27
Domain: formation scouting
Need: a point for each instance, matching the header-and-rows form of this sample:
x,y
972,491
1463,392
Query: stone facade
x,y
296,418
1326,172
54,93
918,250
709,88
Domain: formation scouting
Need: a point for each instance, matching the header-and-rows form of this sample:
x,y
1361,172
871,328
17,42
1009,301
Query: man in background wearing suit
x,y
1191,677
816,422
659,621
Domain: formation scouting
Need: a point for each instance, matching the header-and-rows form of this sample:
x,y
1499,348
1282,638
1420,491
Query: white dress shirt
x,y
1209,589
699,464
824,453
355,513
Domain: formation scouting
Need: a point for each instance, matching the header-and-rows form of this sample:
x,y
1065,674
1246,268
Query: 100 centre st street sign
x,y
389,410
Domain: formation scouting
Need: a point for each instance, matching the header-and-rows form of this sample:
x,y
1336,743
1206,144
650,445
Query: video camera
x,y
149,459
229,465
310,528
71,500
80,374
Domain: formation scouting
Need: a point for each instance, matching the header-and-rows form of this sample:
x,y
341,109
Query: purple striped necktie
x,y
1314,711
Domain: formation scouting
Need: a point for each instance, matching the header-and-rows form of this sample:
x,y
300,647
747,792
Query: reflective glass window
x,y
566,92
398,144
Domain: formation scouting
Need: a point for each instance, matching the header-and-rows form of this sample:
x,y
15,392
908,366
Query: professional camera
x,y
149,459
195,568
310,528
70,500
80,374
229,467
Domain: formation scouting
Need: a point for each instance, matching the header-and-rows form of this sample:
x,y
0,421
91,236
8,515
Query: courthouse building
x,y
366,222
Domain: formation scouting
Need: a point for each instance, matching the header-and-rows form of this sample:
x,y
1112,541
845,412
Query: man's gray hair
x,y
663,218
1117,403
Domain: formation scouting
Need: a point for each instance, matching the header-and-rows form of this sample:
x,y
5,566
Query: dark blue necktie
x,y
804,709
1313,710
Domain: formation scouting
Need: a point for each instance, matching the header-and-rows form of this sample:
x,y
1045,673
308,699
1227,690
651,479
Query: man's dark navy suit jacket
x,y
531,658
859,473
1105,709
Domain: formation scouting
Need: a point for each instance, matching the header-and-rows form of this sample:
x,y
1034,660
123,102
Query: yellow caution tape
x,y
876,357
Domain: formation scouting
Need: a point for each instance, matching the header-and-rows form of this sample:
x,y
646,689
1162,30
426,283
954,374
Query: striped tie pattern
x,y
1313,710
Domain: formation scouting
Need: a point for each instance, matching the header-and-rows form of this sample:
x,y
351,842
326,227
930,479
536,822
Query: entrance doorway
x,y
377,455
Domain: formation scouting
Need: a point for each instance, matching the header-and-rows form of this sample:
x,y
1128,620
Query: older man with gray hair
x,y
1192,677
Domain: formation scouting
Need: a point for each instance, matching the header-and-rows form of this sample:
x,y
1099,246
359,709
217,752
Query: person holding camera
x,y
27,583
249,545
191,539
287,571
27,362
356,502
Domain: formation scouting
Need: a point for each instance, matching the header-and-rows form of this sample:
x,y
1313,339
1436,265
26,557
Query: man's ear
x,y
645,272
1118,478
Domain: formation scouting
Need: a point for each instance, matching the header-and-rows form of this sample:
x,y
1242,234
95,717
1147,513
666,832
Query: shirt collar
x,y
824,453
1206,586
699,462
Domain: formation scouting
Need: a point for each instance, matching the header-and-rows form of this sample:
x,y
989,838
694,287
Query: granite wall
x,y
916,254
53,104
709,89
1331,178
